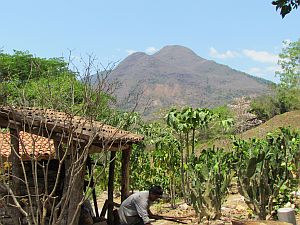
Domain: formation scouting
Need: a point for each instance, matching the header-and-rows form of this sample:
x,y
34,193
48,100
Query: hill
x,y
289,119
176,75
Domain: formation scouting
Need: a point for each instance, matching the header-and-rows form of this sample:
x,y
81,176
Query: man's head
x,y
155,193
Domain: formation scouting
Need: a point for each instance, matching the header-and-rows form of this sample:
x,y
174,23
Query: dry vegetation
x,y
289,119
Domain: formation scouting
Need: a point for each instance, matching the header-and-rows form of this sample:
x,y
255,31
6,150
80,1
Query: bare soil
x,y
234,209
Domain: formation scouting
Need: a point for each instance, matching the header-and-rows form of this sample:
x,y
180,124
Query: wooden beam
x,y
96,148
111,188
125,173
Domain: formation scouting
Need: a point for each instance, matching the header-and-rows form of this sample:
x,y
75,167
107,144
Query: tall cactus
x,y
263,167
210,176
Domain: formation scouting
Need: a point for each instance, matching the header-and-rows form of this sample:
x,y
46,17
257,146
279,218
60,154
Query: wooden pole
x,y
111,188
89,165
76,194
125,173
67,165
16,167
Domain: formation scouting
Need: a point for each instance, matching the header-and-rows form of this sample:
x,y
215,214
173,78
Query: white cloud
x,y
265,72
261,56
228,54
151,50
130,51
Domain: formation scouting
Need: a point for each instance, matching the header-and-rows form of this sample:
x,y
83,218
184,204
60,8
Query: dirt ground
x,y
233,209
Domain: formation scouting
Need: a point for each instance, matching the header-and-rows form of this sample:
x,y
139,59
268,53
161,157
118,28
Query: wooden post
x,y
67,164
111,188
125,173
76,194
89,165
16,167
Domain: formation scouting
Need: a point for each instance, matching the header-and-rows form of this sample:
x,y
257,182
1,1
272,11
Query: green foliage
x,y
33,81
24,66
288,99
288,90
263,167
265,107
21,68
287,94
210,175
284,100
158,165
140,175
286,6
50,92
223,111
289,61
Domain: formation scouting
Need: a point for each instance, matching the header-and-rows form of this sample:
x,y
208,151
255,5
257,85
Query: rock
x,y
183,206
259,222
240,208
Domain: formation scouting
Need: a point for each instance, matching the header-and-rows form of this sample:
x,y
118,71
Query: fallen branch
x,y
172,218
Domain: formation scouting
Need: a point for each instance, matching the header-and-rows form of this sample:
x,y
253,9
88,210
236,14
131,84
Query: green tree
x,y
19,68
286,6
286,96
24,66
289,61
288,91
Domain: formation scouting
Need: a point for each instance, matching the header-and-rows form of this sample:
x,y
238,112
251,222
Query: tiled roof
x,y
29,145
63,123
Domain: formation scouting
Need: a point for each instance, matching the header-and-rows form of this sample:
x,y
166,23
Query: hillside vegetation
x,y
289,119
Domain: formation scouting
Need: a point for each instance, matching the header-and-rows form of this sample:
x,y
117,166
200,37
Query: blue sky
x,y
245,35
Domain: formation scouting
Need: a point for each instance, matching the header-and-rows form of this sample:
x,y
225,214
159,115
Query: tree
x,y
286,6
44,85
25,66
286,95
288,91
19,68
289,61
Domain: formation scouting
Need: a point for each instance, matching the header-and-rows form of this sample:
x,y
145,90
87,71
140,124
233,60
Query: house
x,y
44,159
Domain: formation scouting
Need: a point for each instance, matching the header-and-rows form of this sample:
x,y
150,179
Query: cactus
x,y
210,175
263,167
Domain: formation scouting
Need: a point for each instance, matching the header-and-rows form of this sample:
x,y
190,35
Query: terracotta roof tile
x,y
29,145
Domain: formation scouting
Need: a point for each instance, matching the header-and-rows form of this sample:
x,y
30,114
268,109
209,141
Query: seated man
x,y
135,209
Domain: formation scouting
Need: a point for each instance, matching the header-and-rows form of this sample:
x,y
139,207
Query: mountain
x,y
176,75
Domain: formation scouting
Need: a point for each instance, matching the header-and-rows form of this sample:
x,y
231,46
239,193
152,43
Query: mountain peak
x,y
137,55
176,50
178,55
133,58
